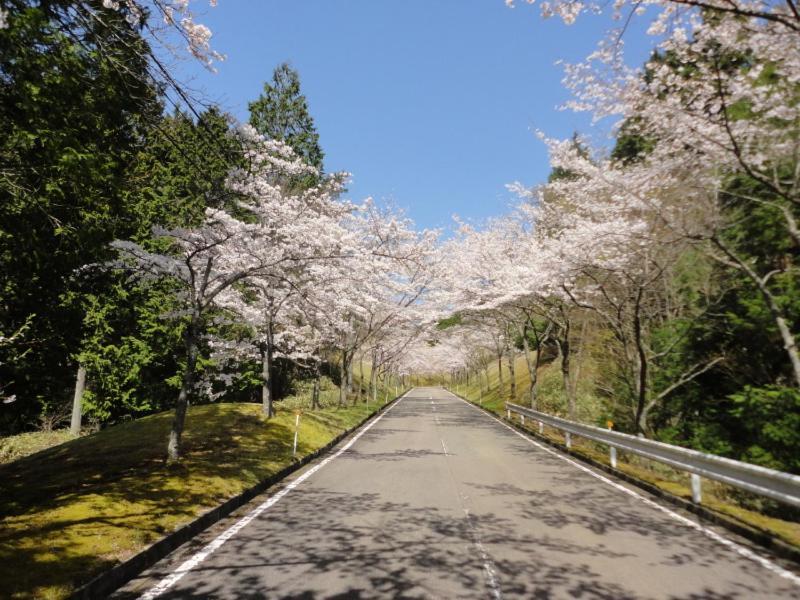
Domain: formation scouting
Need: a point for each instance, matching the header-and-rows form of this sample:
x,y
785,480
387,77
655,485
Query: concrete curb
x,y
761,537
107,582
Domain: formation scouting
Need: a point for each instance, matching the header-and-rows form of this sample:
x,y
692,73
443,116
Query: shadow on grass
x,y
75,510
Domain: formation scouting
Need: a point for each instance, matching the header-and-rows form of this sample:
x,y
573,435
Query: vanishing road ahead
x,y
439,500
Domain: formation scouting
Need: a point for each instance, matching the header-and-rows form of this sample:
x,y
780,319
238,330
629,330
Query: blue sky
x,y
431,104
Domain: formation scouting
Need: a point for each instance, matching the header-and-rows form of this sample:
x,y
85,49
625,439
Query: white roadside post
x,y
296,428
541,428
612,459
568,439
697,491
522,420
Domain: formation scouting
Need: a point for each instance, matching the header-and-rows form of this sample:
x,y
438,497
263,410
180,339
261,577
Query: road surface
x,y
439,500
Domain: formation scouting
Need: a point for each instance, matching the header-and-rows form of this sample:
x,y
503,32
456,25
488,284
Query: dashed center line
x,y
488,565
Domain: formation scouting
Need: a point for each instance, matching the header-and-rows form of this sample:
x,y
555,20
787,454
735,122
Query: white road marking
x,y
488,565
486,561
731,545
189,564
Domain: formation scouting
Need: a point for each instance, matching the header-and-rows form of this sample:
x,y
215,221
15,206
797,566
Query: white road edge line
x,y
189,564
740,550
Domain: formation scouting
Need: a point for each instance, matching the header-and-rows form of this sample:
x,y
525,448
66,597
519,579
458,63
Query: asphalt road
x,y
439,500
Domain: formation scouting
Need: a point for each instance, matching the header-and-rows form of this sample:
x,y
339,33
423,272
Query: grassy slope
x,y
76,509
16,446
715,496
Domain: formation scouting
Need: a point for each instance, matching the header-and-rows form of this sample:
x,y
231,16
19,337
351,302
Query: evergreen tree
x,y
281,113
75,101
131,349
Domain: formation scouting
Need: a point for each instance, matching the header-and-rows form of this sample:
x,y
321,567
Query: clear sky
x,y
430,104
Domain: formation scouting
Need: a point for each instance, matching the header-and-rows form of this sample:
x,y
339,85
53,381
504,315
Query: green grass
x,y
74,510
16,446
716,497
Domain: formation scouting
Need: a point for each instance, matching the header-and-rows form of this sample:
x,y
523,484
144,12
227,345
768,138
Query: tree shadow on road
x,y
573,538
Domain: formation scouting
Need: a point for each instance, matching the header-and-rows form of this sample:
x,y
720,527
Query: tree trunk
x,y
266,383
77,401
350,374
512,374
526,350
563,346
535,379
373,378
533,366
360,378
343,380
579,356
267,350
642,373
500,374
315,390
187,384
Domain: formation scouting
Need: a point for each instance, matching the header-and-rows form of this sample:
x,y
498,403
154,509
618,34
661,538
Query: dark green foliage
x,y
449,322
132,341
182,171
281,113
88,157
743,407
631,146
71,119
129,350
770,419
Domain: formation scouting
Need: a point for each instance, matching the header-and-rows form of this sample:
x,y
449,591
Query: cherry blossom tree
x,y
275,235
717,101
382,282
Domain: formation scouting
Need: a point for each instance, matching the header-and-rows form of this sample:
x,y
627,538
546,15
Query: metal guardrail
x,y
759,480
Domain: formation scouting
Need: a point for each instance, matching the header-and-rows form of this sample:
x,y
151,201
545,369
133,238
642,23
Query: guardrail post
x,y
697,491
784,487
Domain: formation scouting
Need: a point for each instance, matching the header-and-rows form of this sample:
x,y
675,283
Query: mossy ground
x,y
716,497
74,510
16,446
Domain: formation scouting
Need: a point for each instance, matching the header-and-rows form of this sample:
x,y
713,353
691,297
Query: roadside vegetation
x,y
80,507
17,446
484,389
